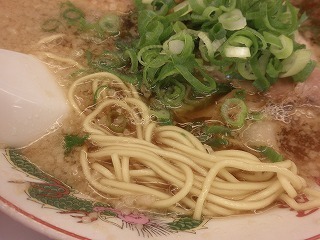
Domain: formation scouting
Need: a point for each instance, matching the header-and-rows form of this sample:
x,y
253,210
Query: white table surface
x,y
10,229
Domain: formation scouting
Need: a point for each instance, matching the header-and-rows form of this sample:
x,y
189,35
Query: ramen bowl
x,y
77,193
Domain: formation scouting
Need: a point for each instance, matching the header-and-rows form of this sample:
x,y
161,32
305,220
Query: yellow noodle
x,y
198,145
69,61
117,166
177,137
173,166
125,169
102,140
170,156
312,192
134,188
88,122
254,176
311,204
104,76
142,172
220,211
274,187
236,154
148,134
287,186
243,166
93,182
103,170
51,38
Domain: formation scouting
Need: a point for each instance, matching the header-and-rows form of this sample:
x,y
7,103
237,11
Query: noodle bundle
x,y
170,165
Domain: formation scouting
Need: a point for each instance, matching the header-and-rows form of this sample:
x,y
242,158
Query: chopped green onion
x,y
237,52
148,53
207,47
295,63
110,24
133,59
175,46
233,20
216,32
185,42
285,50
72,14
245,43
244,38
284,20
195,82
97,92
180,42
211,13
272,39
179,26
107,60
240,40
274,67
270,153
171,93
304,73
234,111
162,7
115,122
197,6
245,71
71,141
183,7
227,5
261,82
162,116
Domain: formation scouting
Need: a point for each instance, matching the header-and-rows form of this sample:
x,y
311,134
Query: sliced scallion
x,y
110,24
171,93
295,63
162,116
71,141
237,52
234,111
233,20
72,14
305,73
116,122
270,153
285,50
98,91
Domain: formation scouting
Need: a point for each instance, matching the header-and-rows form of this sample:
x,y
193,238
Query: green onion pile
x,y
249,40
180,44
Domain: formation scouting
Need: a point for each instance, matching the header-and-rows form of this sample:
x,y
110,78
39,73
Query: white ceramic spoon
x,y
31,101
